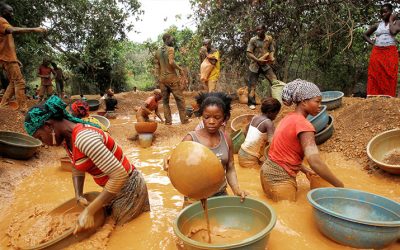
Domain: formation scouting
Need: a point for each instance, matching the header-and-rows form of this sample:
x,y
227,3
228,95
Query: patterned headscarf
x,y
53,108
80,108
299,90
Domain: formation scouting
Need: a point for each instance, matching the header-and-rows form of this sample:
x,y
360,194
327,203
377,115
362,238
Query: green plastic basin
x,y
238,138
251,215
18,146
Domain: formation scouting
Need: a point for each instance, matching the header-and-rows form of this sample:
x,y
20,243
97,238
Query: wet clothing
x,y
97,153
259,47
285,149
59,81
131,201
276,182
170,83
221,151
256,140
16,85
247,160
151,104
45,90
45,71
10,64
7,45
383,71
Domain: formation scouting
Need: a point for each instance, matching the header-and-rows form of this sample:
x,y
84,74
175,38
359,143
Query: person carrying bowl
x,y
93,151
215,108
260,132
80,109
294,140
150,105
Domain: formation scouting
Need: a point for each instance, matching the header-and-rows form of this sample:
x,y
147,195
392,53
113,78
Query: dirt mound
x,y
11,120
358,122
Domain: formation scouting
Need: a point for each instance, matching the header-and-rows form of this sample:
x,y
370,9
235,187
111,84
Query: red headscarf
x,y
80,109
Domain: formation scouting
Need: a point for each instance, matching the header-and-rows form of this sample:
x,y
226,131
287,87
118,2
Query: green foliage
x,y
85,34
316,40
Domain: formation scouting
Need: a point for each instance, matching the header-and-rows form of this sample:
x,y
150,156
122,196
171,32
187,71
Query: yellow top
x,y
214,75
95,121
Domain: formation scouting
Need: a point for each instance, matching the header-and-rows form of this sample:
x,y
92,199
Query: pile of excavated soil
x,y
11,120
358,122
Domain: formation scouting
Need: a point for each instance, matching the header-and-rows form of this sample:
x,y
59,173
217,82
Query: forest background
x,y
319,40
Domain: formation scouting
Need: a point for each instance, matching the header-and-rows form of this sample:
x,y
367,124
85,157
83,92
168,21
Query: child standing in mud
x,y
215,108
260,132
293,140
150,105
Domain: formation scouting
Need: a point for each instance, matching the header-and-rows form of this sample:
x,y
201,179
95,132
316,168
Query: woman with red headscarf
x,y
80,109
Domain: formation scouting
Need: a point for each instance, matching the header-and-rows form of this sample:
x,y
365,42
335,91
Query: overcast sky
x,y
159,15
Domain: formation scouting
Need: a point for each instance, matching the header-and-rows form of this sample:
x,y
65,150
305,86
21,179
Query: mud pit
x,y
41,181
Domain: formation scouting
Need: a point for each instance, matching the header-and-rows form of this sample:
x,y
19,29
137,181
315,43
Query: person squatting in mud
x,y
259,133
149,105
215,108
93,151
293,140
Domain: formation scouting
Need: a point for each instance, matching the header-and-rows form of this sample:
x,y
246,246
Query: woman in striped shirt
x,y
91,150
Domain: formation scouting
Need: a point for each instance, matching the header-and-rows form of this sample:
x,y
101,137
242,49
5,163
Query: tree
x,y
84,32
315,39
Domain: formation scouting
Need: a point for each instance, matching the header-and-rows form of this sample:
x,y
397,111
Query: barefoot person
x,y
8,57
215,108
91,150
260,132
260,51
169,80
293,140
150,105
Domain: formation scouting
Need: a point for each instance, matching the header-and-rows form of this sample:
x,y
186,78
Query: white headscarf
x,y
299,90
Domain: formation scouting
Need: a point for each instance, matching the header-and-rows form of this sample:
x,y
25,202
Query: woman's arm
x,y
91,144
310,149
394,26
78,179
369,32
158,114
231,176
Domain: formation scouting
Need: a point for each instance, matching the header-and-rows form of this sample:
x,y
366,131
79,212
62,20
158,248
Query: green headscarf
x,y
53,108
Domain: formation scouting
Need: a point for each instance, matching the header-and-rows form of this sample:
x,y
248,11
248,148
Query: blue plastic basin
x,y
332,99
320,120
355,218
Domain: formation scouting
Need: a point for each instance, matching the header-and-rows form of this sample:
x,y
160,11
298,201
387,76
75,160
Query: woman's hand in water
x,y
307,171
85,221
82,201
242,195
166,163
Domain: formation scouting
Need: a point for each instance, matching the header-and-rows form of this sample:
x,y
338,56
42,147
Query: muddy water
x,y
295,228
